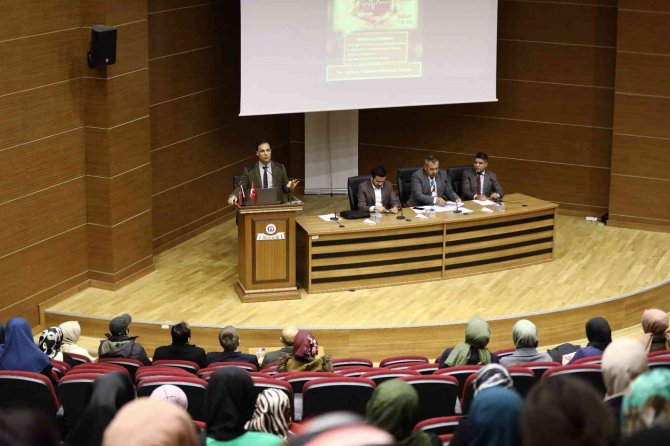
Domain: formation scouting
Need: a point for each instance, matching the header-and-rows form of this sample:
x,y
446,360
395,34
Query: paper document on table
x,y
465,210
367,221
484,202
486,210
420,216
327,217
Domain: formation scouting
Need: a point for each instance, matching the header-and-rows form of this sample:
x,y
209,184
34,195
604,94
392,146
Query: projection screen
x,y
322,55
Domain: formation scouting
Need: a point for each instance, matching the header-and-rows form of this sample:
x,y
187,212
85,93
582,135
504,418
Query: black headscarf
x,y
598,332
110,392
229,403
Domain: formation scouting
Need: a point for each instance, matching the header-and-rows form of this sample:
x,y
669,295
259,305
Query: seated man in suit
x,y
287,338
377,194
229,339
265,174
479,183
431,185
180,349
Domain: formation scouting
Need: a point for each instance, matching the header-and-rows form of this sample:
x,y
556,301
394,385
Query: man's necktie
x,y
265,177
432,186
479,184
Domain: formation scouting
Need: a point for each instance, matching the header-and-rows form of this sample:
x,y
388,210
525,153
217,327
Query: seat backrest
x,y
439,425
348,362
352,189
298,379
659,362
240,365
29,390
404,181
445,439
75,390
160,372
523,379
461,373
659,353
60,367
437,395
343,393
261,384
589,360
380,376
95,367
456,176
355,371
396,360
80,359
189,366
540,367
194,388
424,369
504,352
468,393
589,372
129,364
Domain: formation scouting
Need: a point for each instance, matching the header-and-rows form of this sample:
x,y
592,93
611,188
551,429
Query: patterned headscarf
x,y
492,375
305,346
654,322
272,413
50,341
648,404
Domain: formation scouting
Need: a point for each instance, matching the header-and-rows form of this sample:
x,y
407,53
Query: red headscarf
x,y
305,347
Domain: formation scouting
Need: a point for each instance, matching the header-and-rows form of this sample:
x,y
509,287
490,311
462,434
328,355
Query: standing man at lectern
x,y
431,186
377,194
265,174
479,183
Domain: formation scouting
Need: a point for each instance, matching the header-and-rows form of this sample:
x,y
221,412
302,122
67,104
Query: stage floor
x,y
194,281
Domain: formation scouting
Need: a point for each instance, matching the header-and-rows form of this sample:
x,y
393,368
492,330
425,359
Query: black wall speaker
x,y
103,46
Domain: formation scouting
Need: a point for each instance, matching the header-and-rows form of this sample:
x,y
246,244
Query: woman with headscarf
x,y
655,327
152,423
648,403
50,342
305,356
623,361
599,334
229,405
524,336
71,334
473,350
392,407
110,392
272,413
494,418
20,352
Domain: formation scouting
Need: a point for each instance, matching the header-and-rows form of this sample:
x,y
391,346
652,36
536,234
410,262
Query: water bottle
x,y
378,216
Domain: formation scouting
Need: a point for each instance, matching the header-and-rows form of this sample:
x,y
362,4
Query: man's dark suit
x,y
278,177
366,195
421,195
231,357
183,352
469,184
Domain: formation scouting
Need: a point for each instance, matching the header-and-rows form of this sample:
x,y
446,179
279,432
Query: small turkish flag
x,y
240,196
252,192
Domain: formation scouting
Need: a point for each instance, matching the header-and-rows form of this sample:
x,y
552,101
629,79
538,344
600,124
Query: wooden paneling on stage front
x,y
194,281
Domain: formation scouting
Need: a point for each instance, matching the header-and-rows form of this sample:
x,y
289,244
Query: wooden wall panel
x,y
643,74
115,101
640,156
111,152
639,197
116,199
35,166
642,115
643,32
108,12
22,18
113,249
645,5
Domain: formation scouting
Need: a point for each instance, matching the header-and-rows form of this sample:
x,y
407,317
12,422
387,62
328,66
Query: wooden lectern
x,y
266,252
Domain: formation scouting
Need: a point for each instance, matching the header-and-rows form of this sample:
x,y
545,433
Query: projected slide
x,y
373,39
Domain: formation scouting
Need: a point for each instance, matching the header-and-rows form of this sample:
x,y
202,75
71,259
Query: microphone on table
x,y
457,211
401,216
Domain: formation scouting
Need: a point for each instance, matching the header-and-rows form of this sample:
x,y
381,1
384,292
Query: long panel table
x,y
359,255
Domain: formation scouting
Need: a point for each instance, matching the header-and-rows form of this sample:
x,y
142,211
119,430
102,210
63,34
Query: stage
x,y
597,270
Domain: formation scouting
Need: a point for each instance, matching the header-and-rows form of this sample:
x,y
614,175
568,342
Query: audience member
x,y
118,344
20,352
287,337
110,392
171,394
393,407
229,405
473,350
152,423
648,403
599,334
565,410
492,375
340,429
494,418
272,413
180,349
71,334
50,342
524,336
304,356
623,360
229,339
656,436
26,427
655,326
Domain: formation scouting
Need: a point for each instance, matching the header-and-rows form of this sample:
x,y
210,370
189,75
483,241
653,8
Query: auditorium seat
x,y
395,360
96,367
355,371
343,393
439,425
540,367
437,395
656,362
80,359
261,384
404,181
461,373
379,376
504,352
523,378
445,439
189,366
589,360
241,365
297,380
352,189
424,369
129,364
60,368
659,353
29,390
194,388
589,372
159,372
347,362
75,391
456,175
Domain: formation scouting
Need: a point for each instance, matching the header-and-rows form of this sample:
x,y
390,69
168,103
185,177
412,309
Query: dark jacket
x,y
274,356
122,346
231,357
182,352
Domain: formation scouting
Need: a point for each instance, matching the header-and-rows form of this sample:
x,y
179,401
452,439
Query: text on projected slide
x,y
373,39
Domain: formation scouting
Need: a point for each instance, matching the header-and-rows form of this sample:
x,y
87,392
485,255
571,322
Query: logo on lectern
x,y
270,229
